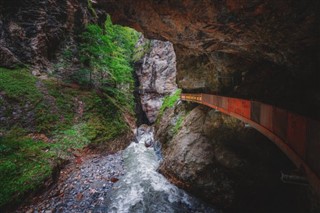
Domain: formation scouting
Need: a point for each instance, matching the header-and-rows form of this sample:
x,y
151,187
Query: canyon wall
x,y
31,32
261,50
264,50
226,163
156,73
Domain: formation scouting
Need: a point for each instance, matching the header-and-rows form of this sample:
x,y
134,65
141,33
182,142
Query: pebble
x,y
84,188
30,211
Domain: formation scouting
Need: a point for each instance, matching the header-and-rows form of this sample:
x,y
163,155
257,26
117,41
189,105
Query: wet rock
x,y
143,135
36,72
148,143
113,179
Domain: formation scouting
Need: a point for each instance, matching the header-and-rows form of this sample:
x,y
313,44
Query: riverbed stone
x,y
84,188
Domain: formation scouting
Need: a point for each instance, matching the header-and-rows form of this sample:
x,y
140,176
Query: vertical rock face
x,y
156,72
215,157
267,50
31,31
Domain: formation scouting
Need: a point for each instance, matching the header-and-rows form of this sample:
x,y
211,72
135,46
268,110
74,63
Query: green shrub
x,y
169,102
67,54
82,77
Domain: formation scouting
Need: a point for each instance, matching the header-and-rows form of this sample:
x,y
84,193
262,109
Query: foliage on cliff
x,y
169,102
107,56
141,50
24,86
43,122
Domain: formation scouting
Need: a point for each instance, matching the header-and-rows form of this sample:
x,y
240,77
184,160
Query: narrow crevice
x,y
140,114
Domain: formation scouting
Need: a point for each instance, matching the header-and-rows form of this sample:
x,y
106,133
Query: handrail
x,y
297,136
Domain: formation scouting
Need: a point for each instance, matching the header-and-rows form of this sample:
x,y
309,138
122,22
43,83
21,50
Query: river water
x,y
143,189
137,186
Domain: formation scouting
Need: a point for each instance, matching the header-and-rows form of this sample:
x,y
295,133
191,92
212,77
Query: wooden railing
x,y
297,136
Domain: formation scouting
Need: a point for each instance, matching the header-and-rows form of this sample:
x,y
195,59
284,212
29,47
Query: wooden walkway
x,y
297,136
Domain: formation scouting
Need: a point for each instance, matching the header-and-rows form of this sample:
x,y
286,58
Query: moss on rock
x,y
42,123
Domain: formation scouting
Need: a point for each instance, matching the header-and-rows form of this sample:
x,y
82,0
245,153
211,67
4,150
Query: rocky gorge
x,y
258,50
156,72
214,156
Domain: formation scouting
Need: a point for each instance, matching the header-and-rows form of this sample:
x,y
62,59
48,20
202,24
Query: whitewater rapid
x,y
142,189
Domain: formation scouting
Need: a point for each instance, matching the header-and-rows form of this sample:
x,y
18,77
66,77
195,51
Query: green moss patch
x,y
141,51
66,118
178,124
104,120
169,102
46,120
18,84
24,165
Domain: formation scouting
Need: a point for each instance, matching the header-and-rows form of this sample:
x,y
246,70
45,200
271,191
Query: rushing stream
x,y
143,189
93,186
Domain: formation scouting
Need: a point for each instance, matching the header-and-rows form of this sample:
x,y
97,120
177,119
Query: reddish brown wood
x,y
297,136
297,133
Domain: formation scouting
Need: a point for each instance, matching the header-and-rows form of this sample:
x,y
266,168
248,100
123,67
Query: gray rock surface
x,y
215,157
190,160
267,51
32,31
156,73
84,189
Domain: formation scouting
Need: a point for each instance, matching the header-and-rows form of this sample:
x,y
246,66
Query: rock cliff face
x,y
264,50
254,49
32,31
156,72
267,50
217,158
